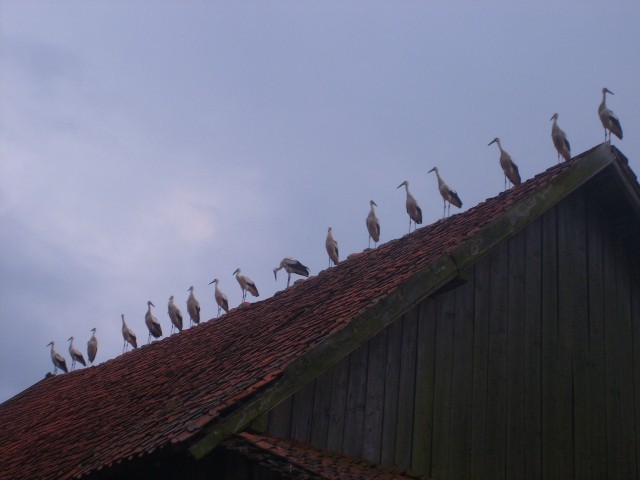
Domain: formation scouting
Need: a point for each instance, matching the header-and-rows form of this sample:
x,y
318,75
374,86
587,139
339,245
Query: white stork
x,y
246,284
373,225
608,118
221,298
58,360
193,307
92,346
152,323
332,248
509,168
449,195
560,140
175,315
414,211
128,335
76,355
291,265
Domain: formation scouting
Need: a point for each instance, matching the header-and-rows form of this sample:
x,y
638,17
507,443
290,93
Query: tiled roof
x,y
307,461
177,389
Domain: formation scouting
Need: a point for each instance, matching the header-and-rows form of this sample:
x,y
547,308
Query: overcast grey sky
x,y
149,146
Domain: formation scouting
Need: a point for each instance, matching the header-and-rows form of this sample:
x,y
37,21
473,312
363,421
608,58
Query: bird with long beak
x,y
246,284
76,355
373,224
291,265
449,196
58,360
609,119
414,211
193,307
152,323
92,346
221,298
509,168
560,140
128,336
332,248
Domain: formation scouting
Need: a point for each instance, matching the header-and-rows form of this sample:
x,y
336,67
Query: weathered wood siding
x,y
531,369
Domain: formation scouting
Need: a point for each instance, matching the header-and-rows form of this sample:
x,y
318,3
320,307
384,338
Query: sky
x,y
146,147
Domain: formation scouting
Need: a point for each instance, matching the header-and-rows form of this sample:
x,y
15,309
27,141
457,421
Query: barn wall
x,y
528,370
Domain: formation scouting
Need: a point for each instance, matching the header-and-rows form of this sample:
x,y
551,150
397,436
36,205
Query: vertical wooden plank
x,y
515,371
597,405
280,418
482,313
301,413
612,343
532,358
335,430
574,331
406,389
635,325
627,409
394,344
322,408
356,394
462,383
425,372
554,461
495,438
374,407
442,384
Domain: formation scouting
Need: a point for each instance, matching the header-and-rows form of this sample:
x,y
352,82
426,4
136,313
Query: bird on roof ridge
x,y
414,211
332,248
92,346
449,195
609,119
221,298
246,284
175,315
58,360
193,306
560,140
152,323
291,265
373,224
509,168
128,336
76,355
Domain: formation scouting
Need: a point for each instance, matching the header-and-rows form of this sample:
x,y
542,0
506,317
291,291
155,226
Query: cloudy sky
x,y
149,146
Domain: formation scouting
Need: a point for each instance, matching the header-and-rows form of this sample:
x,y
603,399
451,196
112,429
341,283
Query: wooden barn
x,y
502,343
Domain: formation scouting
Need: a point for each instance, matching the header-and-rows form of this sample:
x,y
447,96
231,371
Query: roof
x,y
304,461
193,389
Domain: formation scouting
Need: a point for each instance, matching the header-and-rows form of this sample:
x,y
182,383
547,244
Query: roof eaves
x,y
413,290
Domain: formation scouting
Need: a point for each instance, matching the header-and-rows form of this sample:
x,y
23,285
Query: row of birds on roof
x,y
609,120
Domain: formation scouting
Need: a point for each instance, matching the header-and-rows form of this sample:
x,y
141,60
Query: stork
x,y
291,265
509,168
373,224
221,298
128,335
175,315
560,139
246,284
92,346
76,355
152,323
58,360
449,195
414,211
608,118
332,248
193,307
